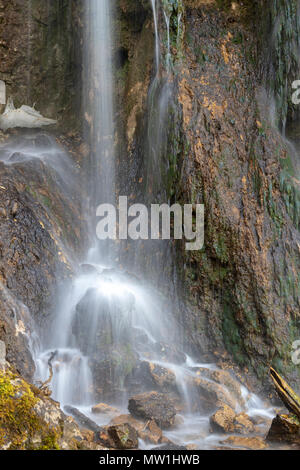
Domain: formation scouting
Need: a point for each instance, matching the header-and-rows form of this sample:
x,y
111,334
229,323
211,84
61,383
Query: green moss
x,y
18,421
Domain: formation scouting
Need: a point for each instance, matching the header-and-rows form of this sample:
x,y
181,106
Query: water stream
x,y
108,324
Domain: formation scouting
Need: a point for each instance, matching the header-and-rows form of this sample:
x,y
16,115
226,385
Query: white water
x,y
99,105
104,302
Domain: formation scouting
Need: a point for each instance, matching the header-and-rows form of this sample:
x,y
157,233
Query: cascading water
x,y
157,47
98,98
108,325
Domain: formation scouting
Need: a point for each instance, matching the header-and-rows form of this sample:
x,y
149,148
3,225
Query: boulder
x,y
148,375
111,366
206,395
243,424
81,419
224,378
153,406
222,420
103,408
124,436
285,428
148,431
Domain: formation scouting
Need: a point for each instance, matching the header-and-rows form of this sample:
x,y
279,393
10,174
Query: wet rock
x,y
207,395
148,431
81,419
17,157
103,408
154,433
153,406
225,379
124,436
243,424
110,367
222,420
168,353
251,443
17,348
100,321
148,375
285,428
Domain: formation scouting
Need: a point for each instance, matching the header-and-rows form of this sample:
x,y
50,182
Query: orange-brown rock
x,y
251,443
103,408
222,420
153,406
242,424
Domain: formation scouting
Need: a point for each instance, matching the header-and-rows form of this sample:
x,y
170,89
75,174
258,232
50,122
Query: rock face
x,y
227,155
42,30
153,406
36,215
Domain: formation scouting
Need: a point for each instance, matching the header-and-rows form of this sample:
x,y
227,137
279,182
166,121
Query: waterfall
x,y
108,324
157,43
168,57
98,89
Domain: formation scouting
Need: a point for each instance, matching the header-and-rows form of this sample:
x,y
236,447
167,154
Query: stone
x,y
148,375
153,406
81,419
243,424
222,420
224,378
207,395
148,431
285,428
124,436
251,443
103,408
